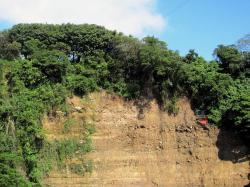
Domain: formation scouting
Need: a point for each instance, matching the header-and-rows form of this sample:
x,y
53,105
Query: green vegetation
x,y
43,64
82,168
67,125
56,153
90,127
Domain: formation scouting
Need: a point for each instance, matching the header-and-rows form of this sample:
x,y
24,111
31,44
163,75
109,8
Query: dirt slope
x,y
155,149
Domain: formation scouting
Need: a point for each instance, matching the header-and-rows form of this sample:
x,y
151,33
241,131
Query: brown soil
x,y
152,148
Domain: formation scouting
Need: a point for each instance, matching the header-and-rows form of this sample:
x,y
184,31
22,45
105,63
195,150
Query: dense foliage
x,y
45,63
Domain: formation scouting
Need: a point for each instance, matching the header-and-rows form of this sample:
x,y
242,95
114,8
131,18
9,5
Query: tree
x,y
238,114
8,50
191,56
31,47
243,44
230,59
30,75
80,84
52,64
9,160
75,40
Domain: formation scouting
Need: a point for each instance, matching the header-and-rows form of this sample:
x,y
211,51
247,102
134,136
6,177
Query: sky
x,y
182,24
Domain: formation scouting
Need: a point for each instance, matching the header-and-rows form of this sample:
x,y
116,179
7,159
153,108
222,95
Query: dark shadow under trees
x,y
232,147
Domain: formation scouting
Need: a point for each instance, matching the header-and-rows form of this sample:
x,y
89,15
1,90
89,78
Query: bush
x,y
81,169
81,85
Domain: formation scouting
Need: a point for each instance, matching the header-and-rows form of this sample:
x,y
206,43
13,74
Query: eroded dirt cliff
x,y
136,144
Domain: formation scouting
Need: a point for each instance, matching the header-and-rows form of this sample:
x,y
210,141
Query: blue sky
x,y
182,24
204,24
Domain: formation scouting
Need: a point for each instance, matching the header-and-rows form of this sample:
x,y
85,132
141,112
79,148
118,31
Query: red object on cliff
x,y
202,120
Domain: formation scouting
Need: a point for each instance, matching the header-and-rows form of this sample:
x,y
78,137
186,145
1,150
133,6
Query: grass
x,y
81,169
67,125
56,153
90,127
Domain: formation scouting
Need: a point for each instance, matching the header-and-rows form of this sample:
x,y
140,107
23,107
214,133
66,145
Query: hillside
x,y
146,125
152,148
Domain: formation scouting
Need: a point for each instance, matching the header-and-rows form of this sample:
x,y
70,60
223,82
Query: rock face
x,y
136,146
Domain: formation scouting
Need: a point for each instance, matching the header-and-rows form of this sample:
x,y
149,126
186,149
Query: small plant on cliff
x,y
67,125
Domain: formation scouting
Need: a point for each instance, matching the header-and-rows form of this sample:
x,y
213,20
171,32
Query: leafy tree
x,y
246,60
30,75
238,112
191,56
75,40
31,47
152,53
52,64
80,84
230,59
9,160
8,50
243,44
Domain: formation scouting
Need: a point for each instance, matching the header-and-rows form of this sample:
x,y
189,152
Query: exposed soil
x,y
148,147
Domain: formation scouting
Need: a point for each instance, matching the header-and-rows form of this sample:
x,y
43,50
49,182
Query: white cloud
x,y
136,17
